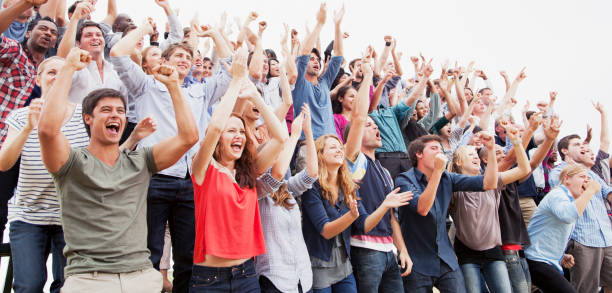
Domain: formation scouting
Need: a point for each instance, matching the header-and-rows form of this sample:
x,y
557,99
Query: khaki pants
x,y
145,281
528,207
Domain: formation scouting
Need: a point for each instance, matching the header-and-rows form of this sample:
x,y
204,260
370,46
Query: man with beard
x,y
18,64
591,241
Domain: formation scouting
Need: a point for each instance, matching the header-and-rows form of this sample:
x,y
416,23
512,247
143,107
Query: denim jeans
x,y
518,271
449,281
239,279
30,247
268,287
375,271
495,275
170,200
347,285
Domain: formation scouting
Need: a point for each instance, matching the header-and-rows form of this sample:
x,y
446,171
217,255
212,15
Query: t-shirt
x,y
340,122
104,211
35,201
511,223
227,217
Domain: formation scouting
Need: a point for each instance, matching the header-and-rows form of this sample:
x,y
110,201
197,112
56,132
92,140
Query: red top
x,y
227,218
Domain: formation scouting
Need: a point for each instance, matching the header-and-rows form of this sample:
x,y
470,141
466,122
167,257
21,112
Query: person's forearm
x,y
311,39
51,119
540,153
489,180
185,123
358,119
416,93
312,164
275,127
125,46
378,90
279,170
221,46
382,60
257,60
604,139
287,97
67,42
509,95
486,117
427,198
338,40
49,9
527,135
60,13
8,15
582,202
374,218
396,62
398,238
129,143
335,227
10,152
111,12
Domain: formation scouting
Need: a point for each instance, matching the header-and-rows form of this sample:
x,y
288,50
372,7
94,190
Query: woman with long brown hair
x,y
330,209
225,170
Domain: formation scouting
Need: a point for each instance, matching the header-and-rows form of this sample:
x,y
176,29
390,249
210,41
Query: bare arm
x,y
523,168
7,15
49,9
378,90
314,35
338,39
290,66
257,61
489,180
219,117
506,79
359,114
604,139
402,250
396,59
143,129
60,13
15,140
393,200
54,146
111,13
125,46
383,56
283,108
592,188
67,43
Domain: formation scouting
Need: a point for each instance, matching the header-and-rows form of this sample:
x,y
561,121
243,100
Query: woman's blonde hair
x,y
282,197
570,170
459,158
345,182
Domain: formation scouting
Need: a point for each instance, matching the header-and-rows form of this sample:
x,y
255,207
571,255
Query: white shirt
x,y
88,79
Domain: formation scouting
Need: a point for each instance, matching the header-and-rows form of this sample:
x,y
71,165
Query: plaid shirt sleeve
x,y
17,74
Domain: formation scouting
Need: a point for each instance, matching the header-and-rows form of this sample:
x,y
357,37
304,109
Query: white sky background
x,y
565,45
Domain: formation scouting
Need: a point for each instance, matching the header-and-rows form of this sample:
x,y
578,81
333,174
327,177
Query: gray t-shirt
x,y
103,211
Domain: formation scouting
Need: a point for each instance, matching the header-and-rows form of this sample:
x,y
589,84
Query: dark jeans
x,y
376,271
170,199
395,162
240,279
495,276
347,285
8,183
548,279
30,247
448,281
268,287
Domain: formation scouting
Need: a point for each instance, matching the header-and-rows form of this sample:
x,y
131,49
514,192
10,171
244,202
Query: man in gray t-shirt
x,y
102,190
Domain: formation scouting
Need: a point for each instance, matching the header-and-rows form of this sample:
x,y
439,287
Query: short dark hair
x,y
206,59
35,22
564,144
72,7
170,50
270,53
88,23
417,146
91,101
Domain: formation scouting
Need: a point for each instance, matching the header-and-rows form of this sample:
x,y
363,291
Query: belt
x,y
400,155
520,253
188,176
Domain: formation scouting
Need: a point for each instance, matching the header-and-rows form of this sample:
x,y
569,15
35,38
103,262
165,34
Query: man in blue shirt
x,y
423,221
591,240
311,89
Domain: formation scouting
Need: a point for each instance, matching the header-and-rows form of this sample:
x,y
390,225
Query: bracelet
x,y
387,44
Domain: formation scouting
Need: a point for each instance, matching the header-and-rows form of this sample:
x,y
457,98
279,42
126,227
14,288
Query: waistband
x,y
520,253
240,269
400,155
188,176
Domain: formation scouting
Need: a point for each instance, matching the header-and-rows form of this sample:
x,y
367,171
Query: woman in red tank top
x,y
224,173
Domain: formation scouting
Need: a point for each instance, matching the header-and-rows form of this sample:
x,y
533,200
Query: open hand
x,y
353,208
34,113
397,199
239,64
405,263
144,128
322,13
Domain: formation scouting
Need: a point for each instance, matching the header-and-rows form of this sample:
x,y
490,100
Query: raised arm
x,y
125,46
279,169
551,131
506,79
310,40
378,90
15,140
592,187
287,97
171,149
219,117
49,9
511,93
523,168
428,196
396,58
221,46
111,11
143,129
10,13
489,180
83,9
383,56
604,139
289,62
359,113
338,36
54,146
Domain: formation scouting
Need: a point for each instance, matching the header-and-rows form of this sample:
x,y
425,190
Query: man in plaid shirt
x,y
18,63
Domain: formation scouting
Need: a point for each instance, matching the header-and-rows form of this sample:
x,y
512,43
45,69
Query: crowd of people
x,y
128,155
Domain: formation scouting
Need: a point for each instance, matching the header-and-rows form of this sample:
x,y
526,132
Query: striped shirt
x,y
593,228
35,201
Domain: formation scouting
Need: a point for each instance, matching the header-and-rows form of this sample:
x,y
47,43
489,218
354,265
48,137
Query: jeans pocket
x,y
512,259
204,280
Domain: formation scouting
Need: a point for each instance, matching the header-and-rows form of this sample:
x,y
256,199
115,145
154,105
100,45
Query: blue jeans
x,y
241,279
170,200
30,247
518,271
495,275
347,285
449,281
375,271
